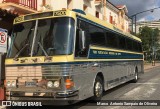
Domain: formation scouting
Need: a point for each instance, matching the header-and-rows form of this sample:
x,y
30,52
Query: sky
x,y
135,6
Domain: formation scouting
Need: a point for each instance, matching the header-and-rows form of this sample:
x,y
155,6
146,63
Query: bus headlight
x,y
13,84
56,84
8,84
50,84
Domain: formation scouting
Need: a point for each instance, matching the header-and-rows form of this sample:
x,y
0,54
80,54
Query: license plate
x,y
30,84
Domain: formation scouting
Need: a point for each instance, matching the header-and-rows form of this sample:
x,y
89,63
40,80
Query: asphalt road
x,y
147,88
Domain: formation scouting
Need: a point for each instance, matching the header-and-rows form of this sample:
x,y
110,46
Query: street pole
x,y
153,53
132,24
135,24
154,47
135,15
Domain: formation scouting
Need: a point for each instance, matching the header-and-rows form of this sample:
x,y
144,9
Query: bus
x,y
68,55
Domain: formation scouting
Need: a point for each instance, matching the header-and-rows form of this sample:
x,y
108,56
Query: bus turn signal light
x,y
69,83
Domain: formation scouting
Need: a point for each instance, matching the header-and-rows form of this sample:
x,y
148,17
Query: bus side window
x,y
135,46
112,40
139,47
122,43
129,44
97,35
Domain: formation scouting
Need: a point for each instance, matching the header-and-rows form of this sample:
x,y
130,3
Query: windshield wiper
x,y
15,58
43,49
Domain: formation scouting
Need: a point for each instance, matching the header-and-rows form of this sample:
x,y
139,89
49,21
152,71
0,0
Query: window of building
x,y
111,19
44,2
97,14
69,4
85,8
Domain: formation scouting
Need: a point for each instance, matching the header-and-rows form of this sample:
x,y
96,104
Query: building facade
x,y
102,9
151,24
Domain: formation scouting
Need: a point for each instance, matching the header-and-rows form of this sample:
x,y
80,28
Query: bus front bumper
x,y
47,98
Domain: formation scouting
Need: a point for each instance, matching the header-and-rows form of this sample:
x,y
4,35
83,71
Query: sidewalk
x,y
148,66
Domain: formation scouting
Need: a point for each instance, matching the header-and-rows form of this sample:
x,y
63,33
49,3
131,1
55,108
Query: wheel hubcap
x,y
98,89
136,76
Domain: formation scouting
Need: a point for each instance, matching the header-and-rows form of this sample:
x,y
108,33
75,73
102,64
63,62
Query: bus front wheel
x,y
135,76
98,89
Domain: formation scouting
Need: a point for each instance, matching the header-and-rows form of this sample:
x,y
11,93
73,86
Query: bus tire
x,y
98,89
135,76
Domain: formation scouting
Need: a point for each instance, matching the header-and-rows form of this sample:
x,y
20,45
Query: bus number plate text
x,y
30,84
59,13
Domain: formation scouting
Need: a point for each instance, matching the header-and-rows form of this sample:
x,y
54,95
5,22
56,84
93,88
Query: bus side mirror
x,y
82,39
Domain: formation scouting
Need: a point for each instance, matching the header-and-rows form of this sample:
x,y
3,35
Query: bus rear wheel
x,y
98,89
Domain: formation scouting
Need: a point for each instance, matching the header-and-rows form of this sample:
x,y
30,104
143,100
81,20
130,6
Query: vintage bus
x,y
68,55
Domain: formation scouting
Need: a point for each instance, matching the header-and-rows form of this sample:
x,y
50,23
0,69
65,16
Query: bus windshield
x,y
54,36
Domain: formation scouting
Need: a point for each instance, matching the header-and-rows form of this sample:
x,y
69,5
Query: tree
x,y
149,38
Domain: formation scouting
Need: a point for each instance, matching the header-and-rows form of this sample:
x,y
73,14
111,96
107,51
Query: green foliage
x,y
149,38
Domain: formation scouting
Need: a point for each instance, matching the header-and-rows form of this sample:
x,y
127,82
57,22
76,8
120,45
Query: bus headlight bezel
x,y
8,84
56,84
49,84
53,84
13,84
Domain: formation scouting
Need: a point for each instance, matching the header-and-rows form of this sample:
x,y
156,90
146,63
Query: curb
x,y
147,67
